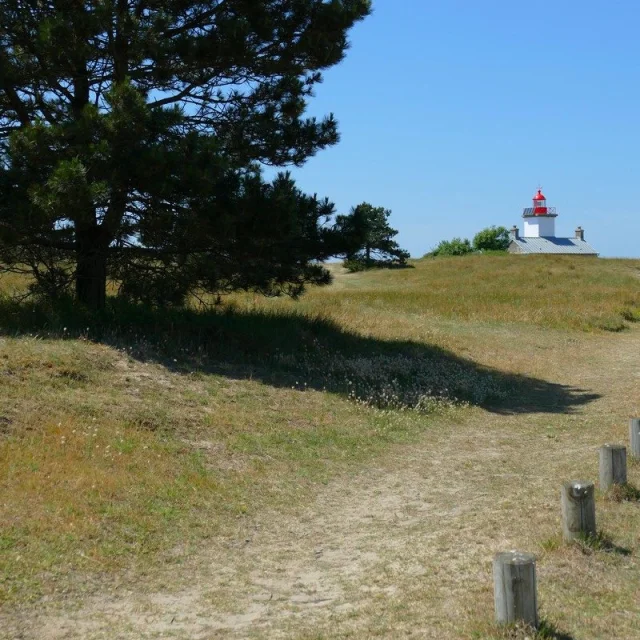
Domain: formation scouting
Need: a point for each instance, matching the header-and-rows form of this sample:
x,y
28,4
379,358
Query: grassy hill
x,y
130,439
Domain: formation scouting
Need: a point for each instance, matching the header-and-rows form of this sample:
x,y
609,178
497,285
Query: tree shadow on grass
x,y
601,542
289,349
548,631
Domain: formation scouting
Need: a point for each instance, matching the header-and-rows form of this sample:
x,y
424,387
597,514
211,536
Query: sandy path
x,y
400,550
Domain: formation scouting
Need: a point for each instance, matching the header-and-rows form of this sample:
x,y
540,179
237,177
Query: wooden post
x,y
634,436
613,465
514,583
578,510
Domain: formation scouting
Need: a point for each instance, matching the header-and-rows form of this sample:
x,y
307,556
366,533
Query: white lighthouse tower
x,y
539,220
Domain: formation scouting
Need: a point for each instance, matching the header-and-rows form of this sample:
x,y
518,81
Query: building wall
x,y
539,227
514,248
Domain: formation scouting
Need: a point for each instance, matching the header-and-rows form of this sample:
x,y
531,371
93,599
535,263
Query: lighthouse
x,y
539,232
539,220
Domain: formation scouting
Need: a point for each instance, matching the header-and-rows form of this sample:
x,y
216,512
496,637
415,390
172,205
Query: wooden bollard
x,y
578,510
514,584
634,437
613,465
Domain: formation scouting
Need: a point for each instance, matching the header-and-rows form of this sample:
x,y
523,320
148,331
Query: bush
x,y
491,239
353,265
455,247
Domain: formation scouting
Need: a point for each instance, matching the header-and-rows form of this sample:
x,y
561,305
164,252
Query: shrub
x,y
491,239
455,247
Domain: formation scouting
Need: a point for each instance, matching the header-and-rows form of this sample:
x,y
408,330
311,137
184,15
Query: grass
x,y
106,460
558,292
600,542
624,493
129,438
546,631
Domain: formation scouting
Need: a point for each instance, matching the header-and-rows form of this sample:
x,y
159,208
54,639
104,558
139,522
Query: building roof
x,y
554,245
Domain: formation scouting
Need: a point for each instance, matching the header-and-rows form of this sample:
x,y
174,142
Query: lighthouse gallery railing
x,y
551,211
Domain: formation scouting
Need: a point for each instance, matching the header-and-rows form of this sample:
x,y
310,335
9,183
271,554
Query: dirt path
x,y
403,549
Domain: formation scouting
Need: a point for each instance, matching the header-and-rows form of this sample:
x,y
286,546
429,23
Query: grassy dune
x,y
128,436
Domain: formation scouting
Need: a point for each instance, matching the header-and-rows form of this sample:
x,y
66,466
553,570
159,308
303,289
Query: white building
x,y
539,233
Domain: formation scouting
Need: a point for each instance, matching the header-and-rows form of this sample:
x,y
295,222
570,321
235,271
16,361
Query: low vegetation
x,y
490,240
454,247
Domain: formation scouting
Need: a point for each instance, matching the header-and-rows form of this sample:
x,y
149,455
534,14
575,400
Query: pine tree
x,y
367,228
131,135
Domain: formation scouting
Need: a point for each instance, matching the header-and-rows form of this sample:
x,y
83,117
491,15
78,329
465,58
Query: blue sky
x,y
453,111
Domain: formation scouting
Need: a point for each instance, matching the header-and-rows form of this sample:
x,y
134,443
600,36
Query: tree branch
x,y
175,98
14,100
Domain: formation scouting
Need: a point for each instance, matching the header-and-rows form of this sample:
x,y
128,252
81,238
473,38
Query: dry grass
x,y
557,292
107,461
123,456
624,493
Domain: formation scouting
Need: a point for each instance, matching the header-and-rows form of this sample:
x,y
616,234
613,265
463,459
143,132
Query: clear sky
x,y
453,111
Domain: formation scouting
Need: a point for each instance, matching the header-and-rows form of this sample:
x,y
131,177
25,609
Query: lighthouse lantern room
x,y
539,220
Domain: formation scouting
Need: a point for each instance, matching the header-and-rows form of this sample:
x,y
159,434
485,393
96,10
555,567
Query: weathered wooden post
x,y
634,437
514,585
613,465
578,510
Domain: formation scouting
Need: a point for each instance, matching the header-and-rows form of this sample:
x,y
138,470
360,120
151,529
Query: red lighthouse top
x,y
539,207
539,204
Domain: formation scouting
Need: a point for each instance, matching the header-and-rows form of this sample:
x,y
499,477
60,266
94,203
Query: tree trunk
x,y
368,252
91,267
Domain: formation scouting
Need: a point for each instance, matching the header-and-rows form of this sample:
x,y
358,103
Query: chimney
x,y
513,234
580,233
